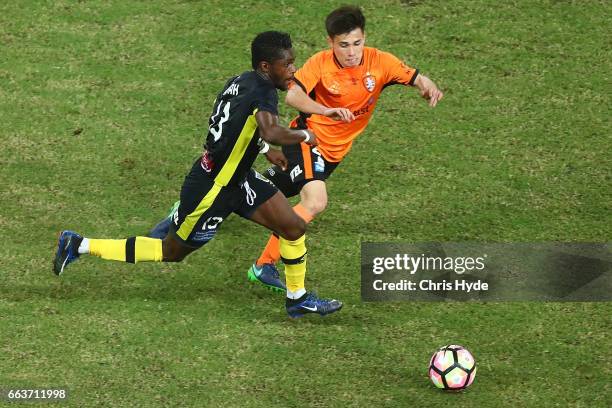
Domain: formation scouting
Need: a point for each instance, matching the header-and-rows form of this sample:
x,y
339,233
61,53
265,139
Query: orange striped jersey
x,y
355,88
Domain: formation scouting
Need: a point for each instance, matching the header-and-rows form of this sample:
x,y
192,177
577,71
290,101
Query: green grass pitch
x,y
103,108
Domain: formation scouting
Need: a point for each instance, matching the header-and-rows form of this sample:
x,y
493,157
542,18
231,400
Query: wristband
x,y
264,148
307,139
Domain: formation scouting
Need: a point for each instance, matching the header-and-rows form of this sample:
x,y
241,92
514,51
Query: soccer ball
x,y
452,368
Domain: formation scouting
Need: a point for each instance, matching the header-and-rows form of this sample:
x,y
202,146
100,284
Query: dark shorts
x,y
205,204
305,164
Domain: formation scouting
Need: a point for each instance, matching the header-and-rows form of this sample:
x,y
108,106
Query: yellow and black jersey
x,y
232,142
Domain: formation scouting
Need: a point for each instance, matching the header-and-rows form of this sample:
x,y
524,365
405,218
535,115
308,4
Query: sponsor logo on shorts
x,y
296,171
250,193
262,177
319,165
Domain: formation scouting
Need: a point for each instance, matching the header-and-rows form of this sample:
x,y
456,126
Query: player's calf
x,y
71,246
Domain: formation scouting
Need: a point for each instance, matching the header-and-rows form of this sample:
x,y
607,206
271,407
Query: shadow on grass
x,y
102,286
238,299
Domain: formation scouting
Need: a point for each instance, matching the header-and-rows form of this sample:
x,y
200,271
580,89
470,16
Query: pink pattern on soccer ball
x,y
443,359
472,377
465,359
436,378
456,378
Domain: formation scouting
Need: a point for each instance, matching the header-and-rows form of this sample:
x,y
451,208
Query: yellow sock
x,y
293,254
134,249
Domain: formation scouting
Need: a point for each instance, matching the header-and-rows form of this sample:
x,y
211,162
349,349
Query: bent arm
x,y
271,131
297,98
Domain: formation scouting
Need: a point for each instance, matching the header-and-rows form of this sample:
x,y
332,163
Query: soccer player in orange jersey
x,y
348,75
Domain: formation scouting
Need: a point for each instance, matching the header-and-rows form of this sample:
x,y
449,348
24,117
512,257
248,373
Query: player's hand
x,y
313,138
429,90
432,94
343,114
277,157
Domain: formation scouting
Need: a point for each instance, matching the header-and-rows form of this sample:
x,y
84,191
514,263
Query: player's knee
x,y
173,256
294,230
316,206
172,252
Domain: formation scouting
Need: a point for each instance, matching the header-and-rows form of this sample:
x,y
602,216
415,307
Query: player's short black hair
x,y
344,20
268,46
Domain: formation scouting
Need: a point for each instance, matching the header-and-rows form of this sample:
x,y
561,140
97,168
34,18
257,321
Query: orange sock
x,y
271,253
303,213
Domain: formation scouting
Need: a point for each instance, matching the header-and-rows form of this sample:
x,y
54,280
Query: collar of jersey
x,y
260,75
340,65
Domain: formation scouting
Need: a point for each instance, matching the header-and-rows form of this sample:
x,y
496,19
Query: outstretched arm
x,y
271,131
297,98
428,89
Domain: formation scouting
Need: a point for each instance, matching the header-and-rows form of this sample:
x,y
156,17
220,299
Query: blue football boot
x,y
267,275
312,304
67,250
163,227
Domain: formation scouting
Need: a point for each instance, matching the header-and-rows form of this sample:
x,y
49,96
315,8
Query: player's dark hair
x,y
268,46
344,20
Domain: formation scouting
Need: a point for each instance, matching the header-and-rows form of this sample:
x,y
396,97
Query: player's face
x,y
281,70
348,48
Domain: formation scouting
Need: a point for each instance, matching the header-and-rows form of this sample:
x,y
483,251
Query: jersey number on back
x,y
217,128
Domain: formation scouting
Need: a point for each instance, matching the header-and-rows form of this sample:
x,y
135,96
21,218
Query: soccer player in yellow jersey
x,y
222,182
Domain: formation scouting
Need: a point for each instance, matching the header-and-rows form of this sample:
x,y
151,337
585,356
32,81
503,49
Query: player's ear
x,y
264,66
330,42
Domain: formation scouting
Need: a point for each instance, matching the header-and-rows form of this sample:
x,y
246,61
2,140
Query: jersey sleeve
x,y
309,75
266,100
396,71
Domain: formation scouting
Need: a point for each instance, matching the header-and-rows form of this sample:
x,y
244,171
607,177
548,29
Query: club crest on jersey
x,y
206,162
369,81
